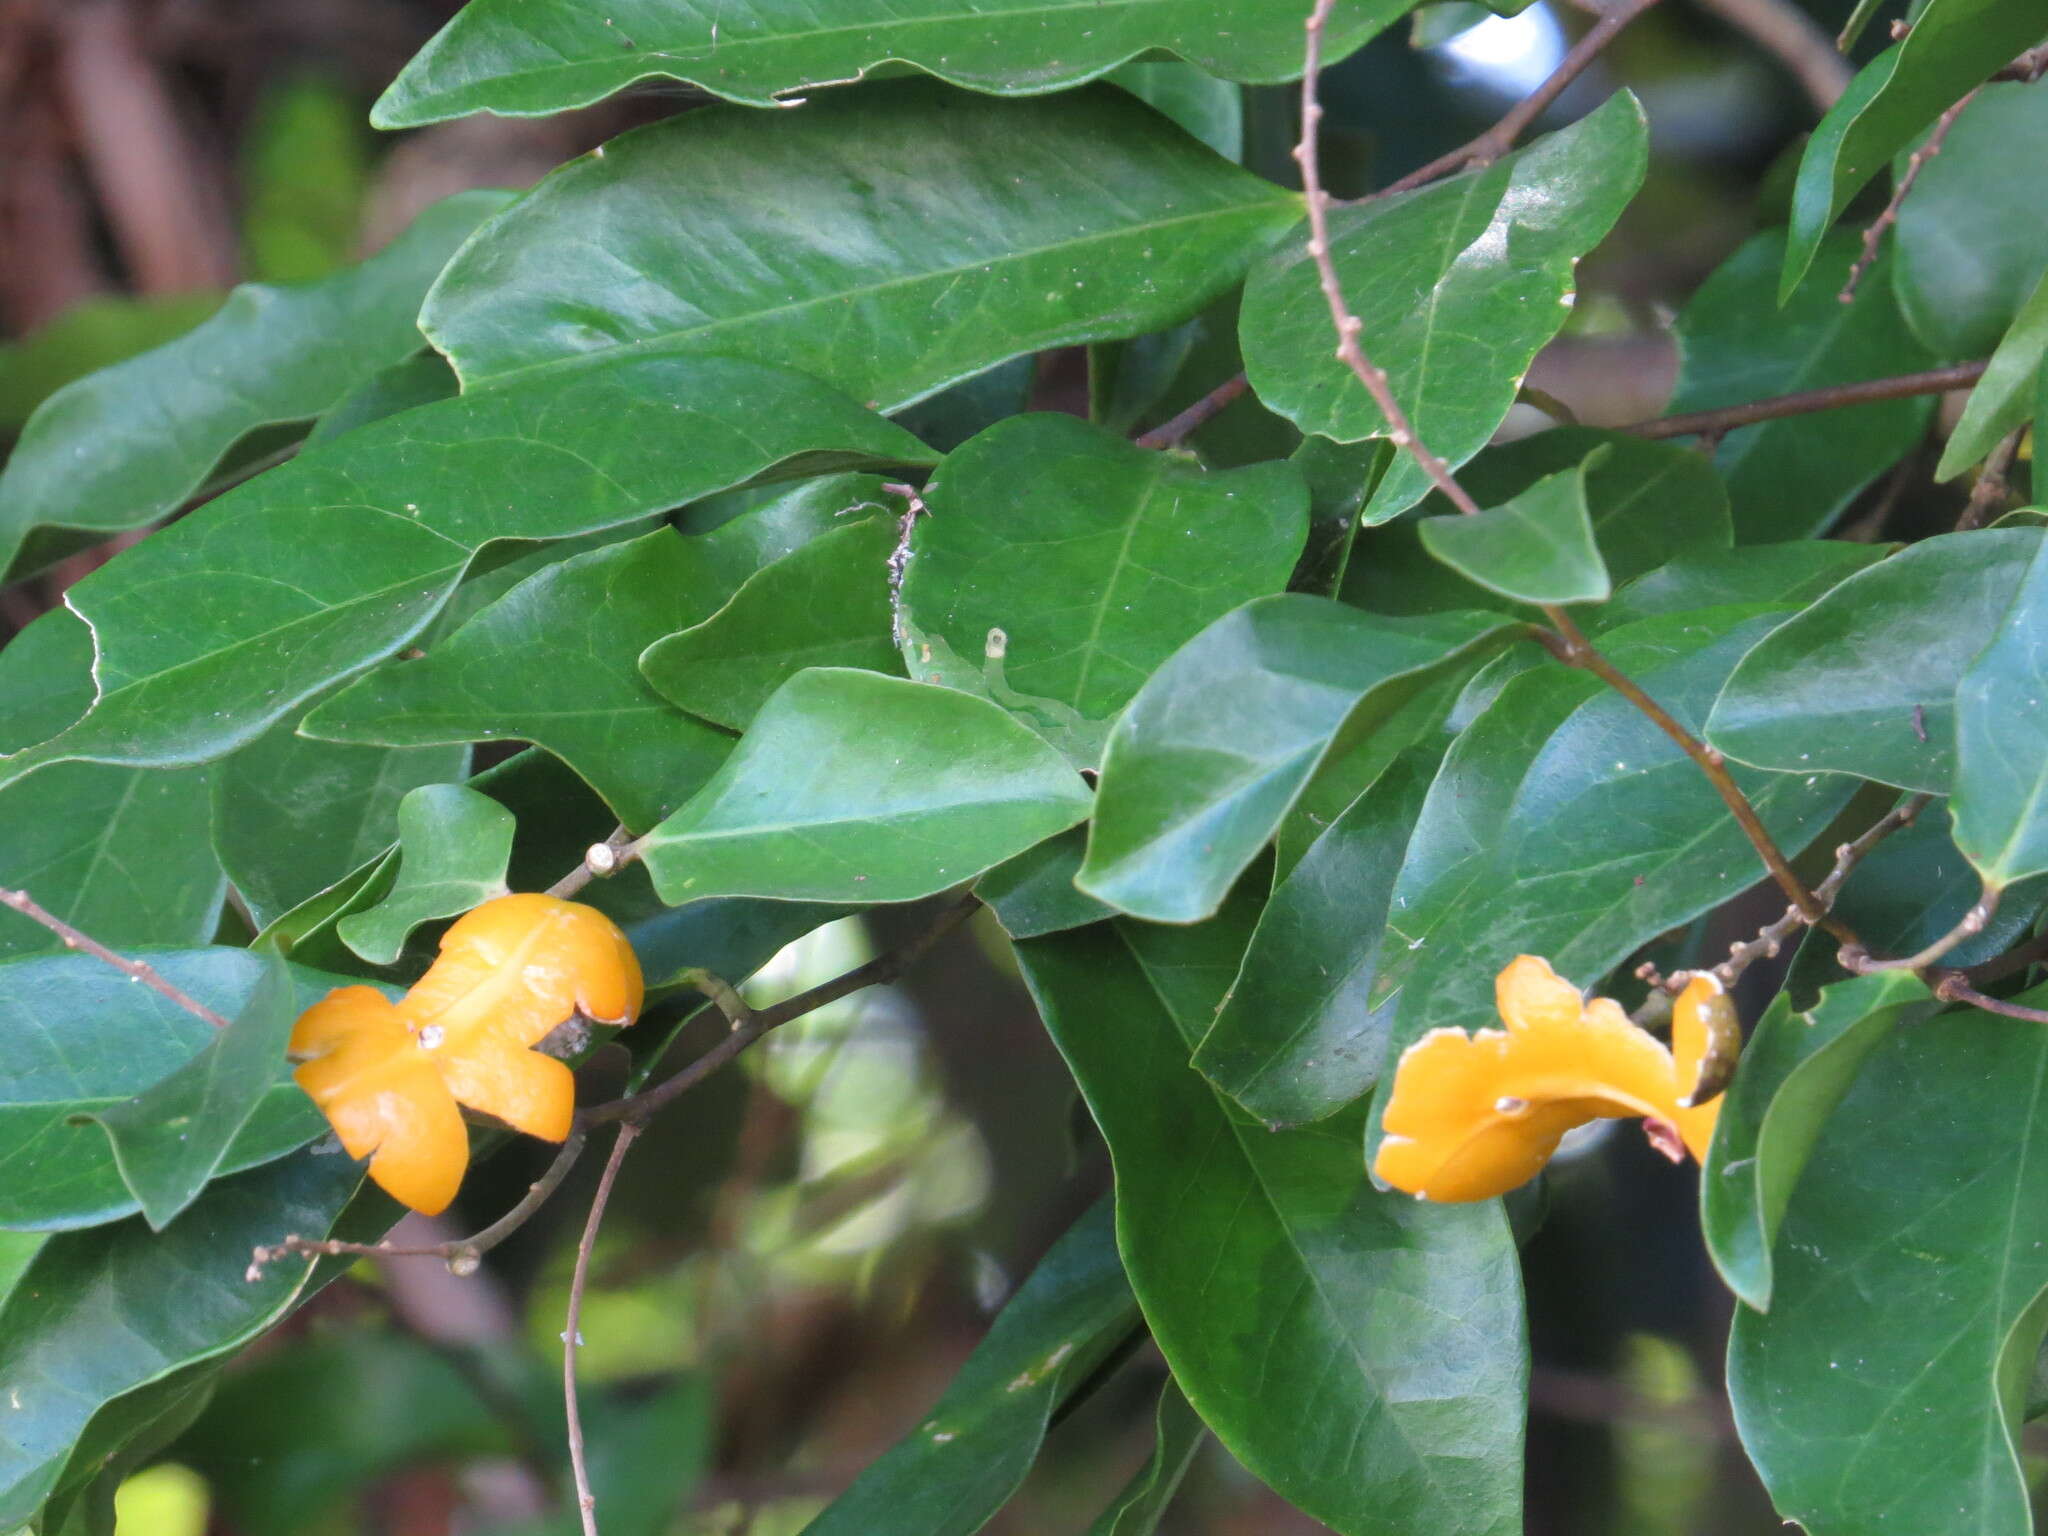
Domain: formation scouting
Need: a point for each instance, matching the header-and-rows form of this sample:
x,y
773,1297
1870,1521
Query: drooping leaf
x,y
2004,398
122,447
77,1037
1361,1353
1788,479
1205,763
1864,680
170,1139
555,661
1537,548
1796,1065
2001,726
1458,284
523,61
856,787
824,605
1178,1433
1954,45
1061,565
454,846
1034,893
1885,1384
1036,224
224,622
959,1466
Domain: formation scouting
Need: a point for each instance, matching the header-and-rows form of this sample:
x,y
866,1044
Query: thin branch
x,y
1170,434
1873,237
2033,952
1951,987
1834,397
134,970
1790,36
572,1336
1500,138
1987,496
599,860
1855,958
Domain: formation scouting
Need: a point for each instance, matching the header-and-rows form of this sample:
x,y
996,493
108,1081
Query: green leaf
x,y
1780,575
1178,1434
170,1139
555,661
1035,894
855,787
2003,399
46,679
1791,478
456,844
292,816
1884,1386
224,622
1961,277
305,173
1296,1038
521,60
90,334
1038,224
1864,680
77,1037
1459,285
417,381
1210,109
962,1463
1061,565
1796,1065
2001,726
121,853
1954,45
104,1313
1361,1353
1206,762
825,604
124,446
1341,479
1537,548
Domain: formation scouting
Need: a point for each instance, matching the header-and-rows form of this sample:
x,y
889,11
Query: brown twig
x,y
1858,960
1987,496
1951,987
1873,237
2033,952
2027,68
1834,397
1790,36
1170,434
599,860
134,970
572,1336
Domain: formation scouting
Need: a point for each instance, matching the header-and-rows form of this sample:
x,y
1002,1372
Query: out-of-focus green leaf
x,y
1788,479
1954,45
1061,565
1537,548
224,622
305,172
959,1466
91,334
1206,762
455,844
1884,1386
122,447
920,237
2004,398
855,787
1795,1068
1459,284
1034,893
1864,680
2001,726
1361,1353
1178,1434
520,60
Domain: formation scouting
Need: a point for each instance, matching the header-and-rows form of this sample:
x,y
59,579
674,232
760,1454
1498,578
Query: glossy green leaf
x,y
1954,45
170,1139
1061,565
959,1466
1537,548
1864,681
1791,478
1035,894
46,680
919,237
223,623
1458,284
1962,277
455,844
77,1037
522,60
1206,762
417,381
2001,726
823,605
91,334
17,1249
1210,108
1884,1386
1178,1433
105,1316
851,786
1296,1038
1361,1353
555,661
122,447
2003,400
1796,1065
1780,575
